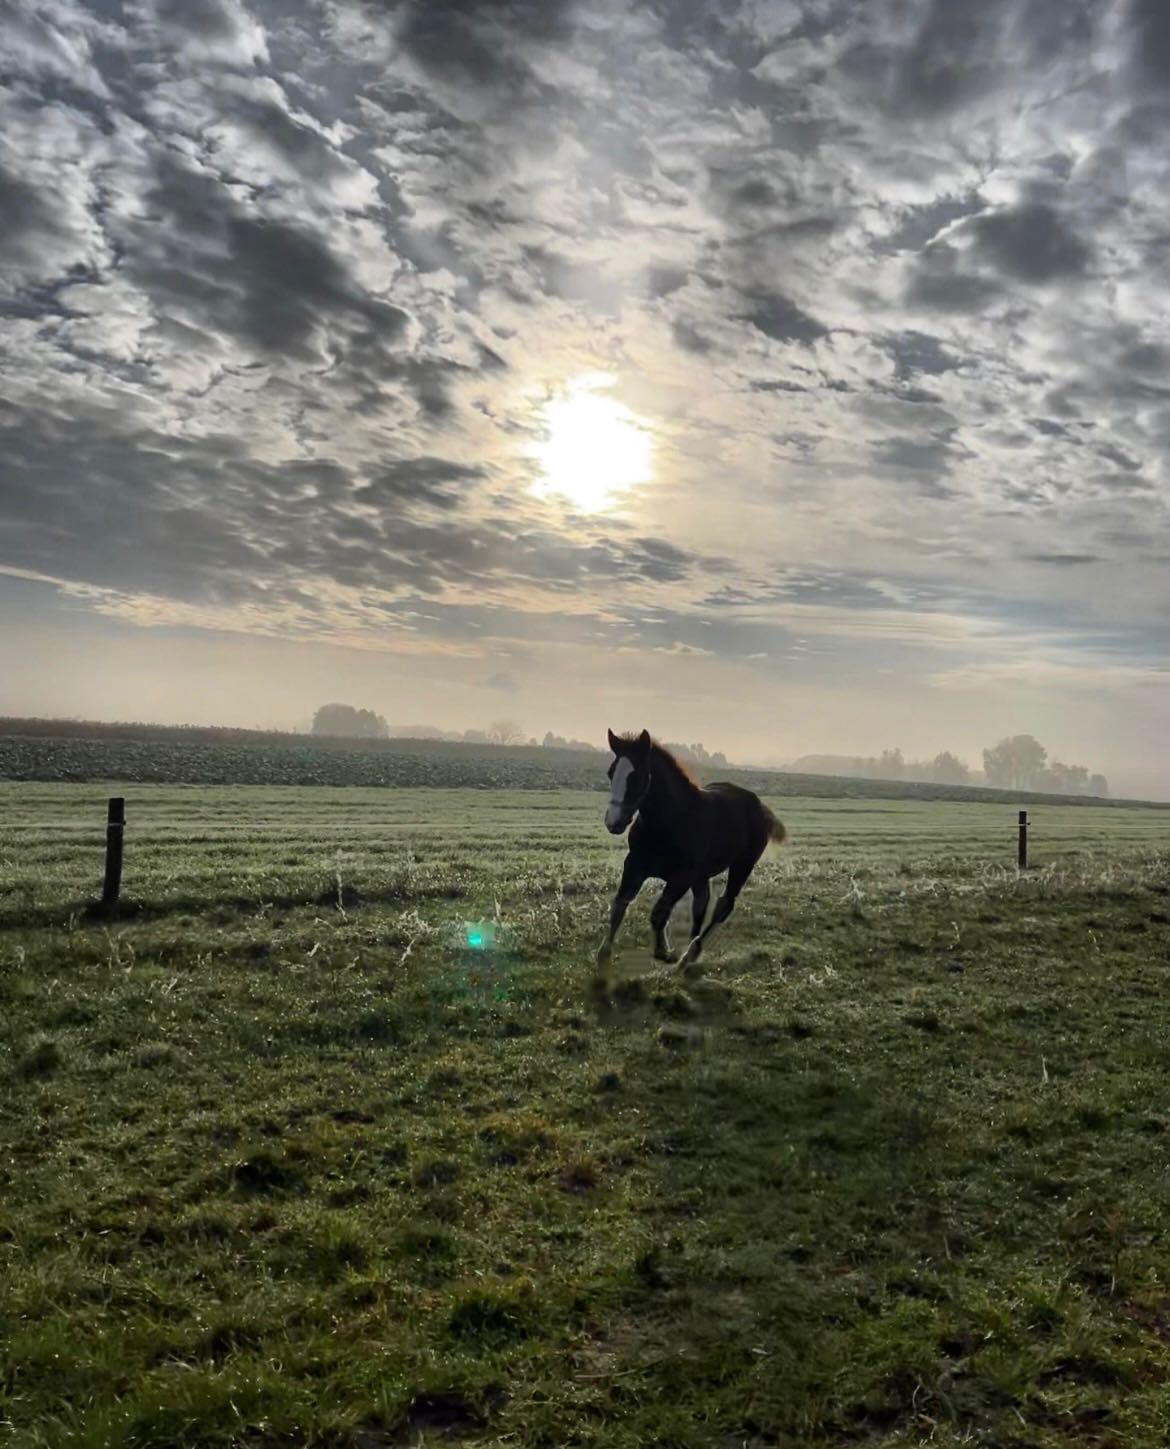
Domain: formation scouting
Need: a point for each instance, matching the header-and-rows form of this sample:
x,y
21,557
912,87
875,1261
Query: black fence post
x,y
1022,846
115,829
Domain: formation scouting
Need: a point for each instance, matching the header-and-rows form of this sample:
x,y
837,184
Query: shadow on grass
x,y
781,1190
833,1255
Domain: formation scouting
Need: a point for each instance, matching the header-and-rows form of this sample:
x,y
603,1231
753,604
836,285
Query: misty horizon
x,y
889,763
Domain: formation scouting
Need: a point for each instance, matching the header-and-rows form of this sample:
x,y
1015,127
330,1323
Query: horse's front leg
x,y
676,888
633,878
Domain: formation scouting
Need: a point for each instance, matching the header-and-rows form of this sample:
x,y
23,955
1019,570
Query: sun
x,y
594,447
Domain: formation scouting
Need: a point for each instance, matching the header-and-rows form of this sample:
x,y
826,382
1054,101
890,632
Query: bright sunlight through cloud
x,y
594,448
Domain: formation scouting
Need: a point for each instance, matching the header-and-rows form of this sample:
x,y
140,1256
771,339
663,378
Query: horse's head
x,y
629,780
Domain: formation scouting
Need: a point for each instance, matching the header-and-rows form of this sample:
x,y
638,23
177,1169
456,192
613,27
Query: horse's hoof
x,y
604,956
668,958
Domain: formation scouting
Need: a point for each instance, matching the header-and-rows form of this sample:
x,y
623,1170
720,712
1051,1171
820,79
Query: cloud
x,y
925,460
211,30
56,44
1064,560
53,230
917,353
208,524
1030,243
476,40
286,286
503,681
779,318
1150,32
271,284
30,222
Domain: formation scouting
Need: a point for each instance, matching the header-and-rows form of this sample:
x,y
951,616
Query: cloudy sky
x,y
785,374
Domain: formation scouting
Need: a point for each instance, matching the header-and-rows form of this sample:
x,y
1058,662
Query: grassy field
x,y
285,1161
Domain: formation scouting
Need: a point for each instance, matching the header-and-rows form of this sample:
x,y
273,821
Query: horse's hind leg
x,y
736,880
700,900
660,917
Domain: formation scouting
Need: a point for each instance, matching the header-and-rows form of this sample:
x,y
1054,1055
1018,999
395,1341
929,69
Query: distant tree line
x,y
1021,763
1018,762
559,742
1015,763
697,755
346,722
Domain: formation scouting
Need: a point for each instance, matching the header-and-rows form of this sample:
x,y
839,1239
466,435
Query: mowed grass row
x,y
284,1161
247,845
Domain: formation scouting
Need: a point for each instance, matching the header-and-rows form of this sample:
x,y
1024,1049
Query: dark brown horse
x,y
682,835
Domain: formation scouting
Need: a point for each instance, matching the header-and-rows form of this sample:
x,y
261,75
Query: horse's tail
x,y
776,831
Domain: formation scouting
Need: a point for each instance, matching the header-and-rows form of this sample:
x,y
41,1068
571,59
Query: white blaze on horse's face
x,y
616,812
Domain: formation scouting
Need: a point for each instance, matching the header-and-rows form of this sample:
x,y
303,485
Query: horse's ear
x,y
644,740
613,742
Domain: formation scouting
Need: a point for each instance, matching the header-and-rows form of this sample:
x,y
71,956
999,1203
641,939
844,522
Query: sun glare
x,y
594,448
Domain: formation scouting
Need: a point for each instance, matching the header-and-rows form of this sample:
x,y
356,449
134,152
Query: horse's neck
x,y
666,803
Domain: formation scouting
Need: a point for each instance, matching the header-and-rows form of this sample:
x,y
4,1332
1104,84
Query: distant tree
x,y
1098,785
1076,779
891,766
346,722
505,732
476,737
1054,777
947,769
1017,763
1063,779
559,742
696,753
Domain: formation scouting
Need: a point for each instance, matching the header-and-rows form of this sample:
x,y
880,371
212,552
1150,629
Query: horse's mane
x,y
663,756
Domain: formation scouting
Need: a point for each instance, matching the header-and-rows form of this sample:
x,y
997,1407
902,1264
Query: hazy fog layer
x,y
853,316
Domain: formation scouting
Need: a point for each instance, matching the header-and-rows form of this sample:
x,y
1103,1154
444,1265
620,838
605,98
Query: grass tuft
x,y
42,1059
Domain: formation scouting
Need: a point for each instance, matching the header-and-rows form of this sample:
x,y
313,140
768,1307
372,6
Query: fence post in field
x,y
115,829
1022,845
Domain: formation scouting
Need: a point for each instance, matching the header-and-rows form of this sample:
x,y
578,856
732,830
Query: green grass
x,y
283,1162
